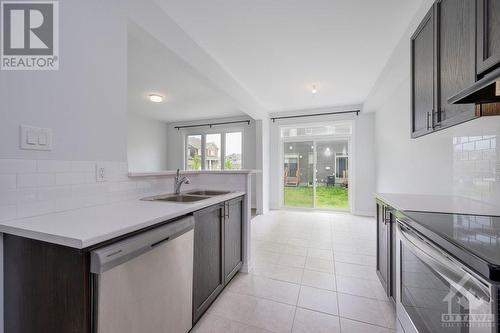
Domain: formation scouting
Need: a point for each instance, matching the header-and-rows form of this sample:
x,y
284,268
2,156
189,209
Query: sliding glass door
x,y
332,174
316,173
298,171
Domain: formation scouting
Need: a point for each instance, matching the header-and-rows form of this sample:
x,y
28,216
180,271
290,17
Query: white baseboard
x,y
364,213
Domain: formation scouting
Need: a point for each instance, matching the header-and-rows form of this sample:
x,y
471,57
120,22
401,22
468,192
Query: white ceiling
x,y
277,49
152,68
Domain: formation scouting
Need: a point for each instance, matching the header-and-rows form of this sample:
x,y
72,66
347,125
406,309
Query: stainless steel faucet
x,y
179,181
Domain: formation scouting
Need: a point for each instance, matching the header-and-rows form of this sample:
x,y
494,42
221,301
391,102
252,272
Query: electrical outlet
x,y
100,173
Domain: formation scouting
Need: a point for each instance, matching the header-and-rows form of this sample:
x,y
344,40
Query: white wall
x,y
262,160
146,144
175,139
84,101
363,171
461,160
364,168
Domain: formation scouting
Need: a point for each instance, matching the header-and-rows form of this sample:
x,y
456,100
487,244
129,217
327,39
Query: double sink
x,y
187,197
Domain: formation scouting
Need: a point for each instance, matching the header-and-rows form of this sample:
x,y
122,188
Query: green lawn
x,y
326,197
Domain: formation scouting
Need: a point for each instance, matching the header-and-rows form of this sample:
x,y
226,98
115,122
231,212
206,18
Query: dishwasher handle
x,y
108,257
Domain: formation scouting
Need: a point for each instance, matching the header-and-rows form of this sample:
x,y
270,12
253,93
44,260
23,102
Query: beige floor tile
x,y
271,246
254,311
319,280
360,287
319,253
351,326
324,245
266,257
297,241
263,269
355,258
295,250
322,265
287,274
260,286
318,300
356,271
367,310
292,260
211,323
307,321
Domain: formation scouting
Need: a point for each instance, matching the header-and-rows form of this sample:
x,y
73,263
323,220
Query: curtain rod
x,y
316,114
214,124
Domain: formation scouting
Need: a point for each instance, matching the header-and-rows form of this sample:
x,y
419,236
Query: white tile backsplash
x,y
53,166
476,168
8,212
35,187
17,166
8,181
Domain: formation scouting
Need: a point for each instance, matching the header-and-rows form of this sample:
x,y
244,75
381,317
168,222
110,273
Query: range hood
x,y
486,90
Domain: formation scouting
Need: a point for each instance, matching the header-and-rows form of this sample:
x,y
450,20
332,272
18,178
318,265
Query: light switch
x,y
35,138
32,136
42,139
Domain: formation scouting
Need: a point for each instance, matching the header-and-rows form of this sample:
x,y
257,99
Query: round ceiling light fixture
x,y
314,90
156,98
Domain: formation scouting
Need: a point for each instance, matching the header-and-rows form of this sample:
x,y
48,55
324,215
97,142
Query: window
x,y
232,152
214,151
193,152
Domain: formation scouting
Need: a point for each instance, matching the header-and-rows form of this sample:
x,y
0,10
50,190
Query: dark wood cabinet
x,y
46,287
392,255
456,21
423,74
233,241
386,251
218,251
456,44
208,279
488,35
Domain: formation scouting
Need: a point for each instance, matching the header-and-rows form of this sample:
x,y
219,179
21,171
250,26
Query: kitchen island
x,y
48,283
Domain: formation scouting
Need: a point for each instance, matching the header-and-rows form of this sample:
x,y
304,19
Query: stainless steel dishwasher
x,y
144,283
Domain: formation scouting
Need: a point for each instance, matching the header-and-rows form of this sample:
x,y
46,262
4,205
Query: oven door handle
x,y
451,271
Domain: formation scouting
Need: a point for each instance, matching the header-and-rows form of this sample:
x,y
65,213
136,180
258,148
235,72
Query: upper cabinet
x,y
457,41
488,35
456,59
423,74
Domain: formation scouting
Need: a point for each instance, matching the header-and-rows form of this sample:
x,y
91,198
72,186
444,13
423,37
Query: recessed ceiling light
x,y
155,98
314,90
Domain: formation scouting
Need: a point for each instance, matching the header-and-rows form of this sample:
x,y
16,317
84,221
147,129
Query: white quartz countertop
x,y
81,228
438,204
190,172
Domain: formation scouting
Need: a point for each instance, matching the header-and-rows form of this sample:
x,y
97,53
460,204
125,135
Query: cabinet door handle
x,y
387,216
429,114
438,123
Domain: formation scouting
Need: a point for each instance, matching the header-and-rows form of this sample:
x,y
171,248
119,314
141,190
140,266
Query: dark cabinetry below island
x,y
218,252
48,287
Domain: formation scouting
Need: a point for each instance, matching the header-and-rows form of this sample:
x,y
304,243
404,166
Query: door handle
x,y
441,263
160,242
